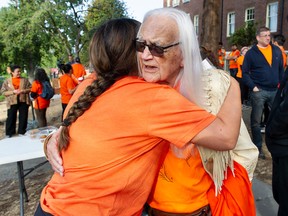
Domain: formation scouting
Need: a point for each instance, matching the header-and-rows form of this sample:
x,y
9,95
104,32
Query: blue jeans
x,y
258,100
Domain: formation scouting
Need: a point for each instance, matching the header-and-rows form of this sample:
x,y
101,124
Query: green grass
x,y
2,98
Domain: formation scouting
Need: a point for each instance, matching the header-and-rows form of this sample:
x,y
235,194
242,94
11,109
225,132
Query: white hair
x,y
190,76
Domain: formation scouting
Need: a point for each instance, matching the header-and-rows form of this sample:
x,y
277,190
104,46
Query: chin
x,y
150,79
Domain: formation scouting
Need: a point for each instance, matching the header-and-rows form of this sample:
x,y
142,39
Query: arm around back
x,y
222,133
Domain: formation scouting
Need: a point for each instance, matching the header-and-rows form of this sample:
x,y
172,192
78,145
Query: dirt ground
x,y
9,192
35,181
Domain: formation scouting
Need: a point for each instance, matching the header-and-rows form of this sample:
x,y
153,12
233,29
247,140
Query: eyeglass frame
x,y
152,47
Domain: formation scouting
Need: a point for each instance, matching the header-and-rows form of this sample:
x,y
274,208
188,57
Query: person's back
x,y
66,84
40,104
112,142
78,69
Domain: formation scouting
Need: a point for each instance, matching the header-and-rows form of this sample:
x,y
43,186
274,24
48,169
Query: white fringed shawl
x,y
216,85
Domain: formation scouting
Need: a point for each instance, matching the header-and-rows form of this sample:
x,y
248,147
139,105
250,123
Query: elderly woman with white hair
x,y
194,178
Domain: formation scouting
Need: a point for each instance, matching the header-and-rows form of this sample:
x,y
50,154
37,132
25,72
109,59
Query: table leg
x,y
21,178
22,187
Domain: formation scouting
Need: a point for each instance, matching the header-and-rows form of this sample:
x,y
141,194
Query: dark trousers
x,y
258,99
41,117
244,90
265,115
40,212
12,118
233,72
280,183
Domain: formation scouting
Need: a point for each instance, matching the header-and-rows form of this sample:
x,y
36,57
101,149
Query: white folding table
x,y
18,149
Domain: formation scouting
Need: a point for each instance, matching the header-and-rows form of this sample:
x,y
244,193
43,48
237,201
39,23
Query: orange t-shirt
x,y
232,62
116,148
39,102
182,185
240,61
80,89
66,84
267,52
16,82
78,70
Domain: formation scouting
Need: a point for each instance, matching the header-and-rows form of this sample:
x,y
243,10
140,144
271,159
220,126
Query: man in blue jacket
x,y
262,72
277,143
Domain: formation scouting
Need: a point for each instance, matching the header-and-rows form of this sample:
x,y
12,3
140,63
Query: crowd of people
x,y
142,130
262,75
20,94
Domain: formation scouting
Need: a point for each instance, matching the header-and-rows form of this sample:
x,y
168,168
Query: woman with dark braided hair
x,y
116,134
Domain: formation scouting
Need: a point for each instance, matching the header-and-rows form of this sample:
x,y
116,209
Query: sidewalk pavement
x,y
265,203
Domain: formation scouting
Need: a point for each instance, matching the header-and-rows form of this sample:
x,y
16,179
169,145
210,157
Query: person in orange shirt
x,y
78,70
221,55
67,85
243,88
16,91
184,186
131,123
40,104
279,41
232,57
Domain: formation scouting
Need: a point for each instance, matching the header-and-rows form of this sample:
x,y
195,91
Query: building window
x,y
230,23
175,3
168,3
249,15
271,17
196,23
184,1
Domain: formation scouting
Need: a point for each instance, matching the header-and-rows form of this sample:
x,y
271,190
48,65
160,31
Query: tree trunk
x,y
211,28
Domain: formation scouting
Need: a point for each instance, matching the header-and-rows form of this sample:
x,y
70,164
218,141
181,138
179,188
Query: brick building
x,y
234,14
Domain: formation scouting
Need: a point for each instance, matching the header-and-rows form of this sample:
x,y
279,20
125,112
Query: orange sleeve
x,y
195,121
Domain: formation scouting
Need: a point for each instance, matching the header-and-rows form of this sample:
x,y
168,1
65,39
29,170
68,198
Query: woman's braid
x,y
84,103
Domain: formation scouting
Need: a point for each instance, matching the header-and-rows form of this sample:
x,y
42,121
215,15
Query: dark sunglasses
x,y
154,49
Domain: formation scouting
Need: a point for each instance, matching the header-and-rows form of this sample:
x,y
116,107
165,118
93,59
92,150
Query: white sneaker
x,y
262,129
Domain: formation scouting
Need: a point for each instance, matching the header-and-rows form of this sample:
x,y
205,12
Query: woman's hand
x,y
53,155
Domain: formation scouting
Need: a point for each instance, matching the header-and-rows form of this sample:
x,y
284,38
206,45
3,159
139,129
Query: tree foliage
x,y
40,32
244,36
99,12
